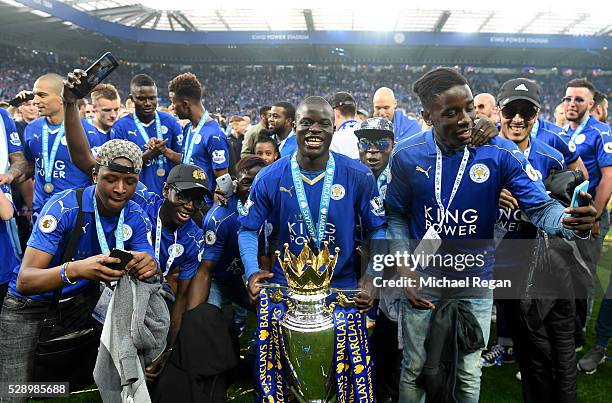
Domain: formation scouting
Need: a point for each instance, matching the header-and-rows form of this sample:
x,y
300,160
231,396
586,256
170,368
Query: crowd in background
x,y
241,89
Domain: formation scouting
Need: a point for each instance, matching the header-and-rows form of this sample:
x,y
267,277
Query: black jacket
x,y
453,331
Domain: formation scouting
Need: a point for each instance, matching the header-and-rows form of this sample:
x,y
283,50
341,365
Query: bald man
x,y
385,107
486,105
45,146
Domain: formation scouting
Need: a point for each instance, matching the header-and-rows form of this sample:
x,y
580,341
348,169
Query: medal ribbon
x,y
298,183
438,179
100,231
158,237
49,159
145,136
382,179
578,130
535,128
270,348
190,140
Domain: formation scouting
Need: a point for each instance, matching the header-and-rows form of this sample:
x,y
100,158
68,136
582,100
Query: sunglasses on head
x,y
380,145
568,100
528,112
184,197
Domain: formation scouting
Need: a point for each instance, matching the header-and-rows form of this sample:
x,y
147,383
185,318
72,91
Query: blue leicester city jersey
x,y
474,209
64,175
554,136
13,141
404,126
126,129
221,240
594,144
102,136
183,251
7,252
210,149
56,222
544,159
354,196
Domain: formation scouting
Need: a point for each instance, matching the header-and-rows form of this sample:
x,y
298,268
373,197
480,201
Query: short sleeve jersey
x,y
594,144
65,174
354,196
221,240
553,135
186,249
126,129
210,149
7,253
56,222
473,213
544,159
13,141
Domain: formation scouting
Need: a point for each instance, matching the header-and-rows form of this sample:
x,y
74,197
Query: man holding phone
x,y
45,145
111,221
204,143
155,132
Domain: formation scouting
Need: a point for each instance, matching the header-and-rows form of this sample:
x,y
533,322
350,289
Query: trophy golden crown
x,y
308,273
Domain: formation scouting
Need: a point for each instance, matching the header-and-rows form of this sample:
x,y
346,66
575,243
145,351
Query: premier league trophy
x,y
308,343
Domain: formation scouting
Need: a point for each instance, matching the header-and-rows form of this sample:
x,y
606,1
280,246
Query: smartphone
x,y
224,182
15,102
577,201
124,256
96,73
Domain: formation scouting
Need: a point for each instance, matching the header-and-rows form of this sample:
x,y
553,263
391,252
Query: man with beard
x,y
289,192
45,146
151,130
600,107
252,134
280,126
486,106
111,220
106,103
594,144
545,352
460,212
385,107
204,143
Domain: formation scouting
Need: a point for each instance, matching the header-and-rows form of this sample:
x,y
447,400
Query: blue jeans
x,y
224,292
415,326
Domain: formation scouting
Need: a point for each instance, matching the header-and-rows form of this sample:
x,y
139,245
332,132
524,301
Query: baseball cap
x,y
519,88
113,149
363,112
375,126
342,98
188,176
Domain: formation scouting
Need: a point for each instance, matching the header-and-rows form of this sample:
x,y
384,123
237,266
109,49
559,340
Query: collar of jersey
x,y
314,180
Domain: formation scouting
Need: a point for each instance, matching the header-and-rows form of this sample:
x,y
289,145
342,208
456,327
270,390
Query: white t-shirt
x,y
345,141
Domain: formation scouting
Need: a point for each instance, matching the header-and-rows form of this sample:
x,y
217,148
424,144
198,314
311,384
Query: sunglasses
x,y
380,145
578,100
526,111
181,197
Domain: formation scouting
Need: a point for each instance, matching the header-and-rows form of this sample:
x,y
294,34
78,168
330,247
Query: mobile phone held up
x,y
224,182
122,255
578,201
96,73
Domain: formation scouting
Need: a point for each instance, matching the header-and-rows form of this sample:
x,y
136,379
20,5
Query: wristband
x,y
63,275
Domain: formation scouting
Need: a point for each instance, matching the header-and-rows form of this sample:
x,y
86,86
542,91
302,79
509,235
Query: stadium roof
x,y
516,16
229,32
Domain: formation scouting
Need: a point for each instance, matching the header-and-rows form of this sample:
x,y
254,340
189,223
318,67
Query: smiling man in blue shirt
x,y
147,127
460,205
111,220
289,191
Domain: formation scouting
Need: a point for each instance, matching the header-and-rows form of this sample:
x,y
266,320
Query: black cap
x,y
519,88
342,98
188,176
